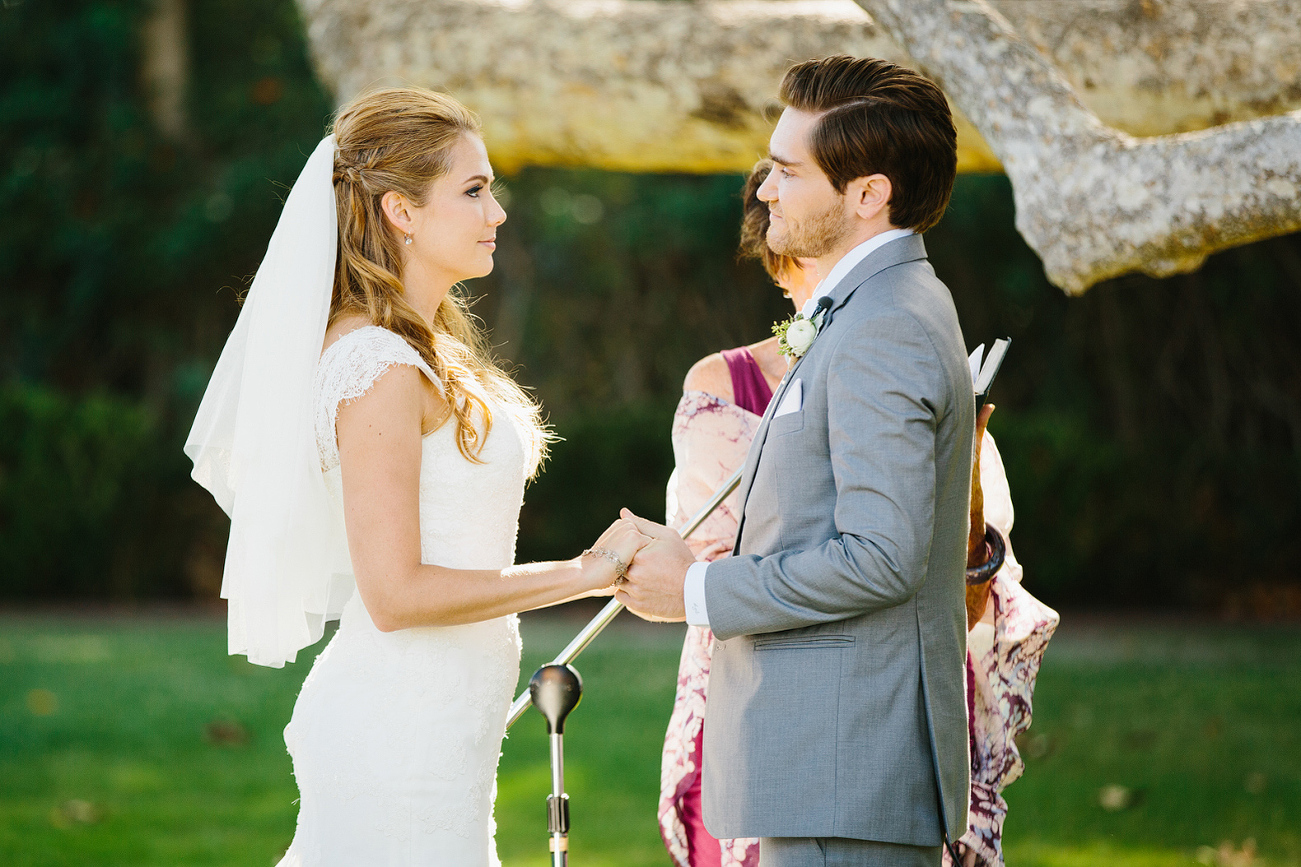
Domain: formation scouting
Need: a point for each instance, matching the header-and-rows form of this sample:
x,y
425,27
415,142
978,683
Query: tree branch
x,y
673,86
1092,201
649,85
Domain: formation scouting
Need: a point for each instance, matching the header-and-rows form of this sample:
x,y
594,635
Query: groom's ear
x,y
869,195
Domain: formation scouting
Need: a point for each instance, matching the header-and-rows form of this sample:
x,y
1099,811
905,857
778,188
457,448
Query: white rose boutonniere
x,y
796,335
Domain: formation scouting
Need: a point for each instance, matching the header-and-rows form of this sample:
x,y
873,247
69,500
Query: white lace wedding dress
x,y
395,736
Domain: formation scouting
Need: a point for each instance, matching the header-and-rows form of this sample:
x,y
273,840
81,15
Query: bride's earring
x,y
407,242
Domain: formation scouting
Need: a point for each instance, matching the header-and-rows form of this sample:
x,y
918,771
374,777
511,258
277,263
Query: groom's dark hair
x,y
879,117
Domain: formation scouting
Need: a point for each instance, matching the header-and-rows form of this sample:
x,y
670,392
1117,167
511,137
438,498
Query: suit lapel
x,y
756,446
906,249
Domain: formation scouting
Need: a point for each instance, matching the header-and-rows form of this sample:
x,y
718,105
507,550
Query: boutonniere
x,y
796,335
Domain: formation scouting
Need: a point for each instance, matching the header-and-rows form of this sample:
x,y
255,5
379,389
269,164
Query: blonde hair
x,y
401,139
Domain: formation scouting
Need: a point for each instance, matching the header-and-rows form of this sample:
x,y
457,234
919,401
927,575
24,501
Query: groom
x,y
836,720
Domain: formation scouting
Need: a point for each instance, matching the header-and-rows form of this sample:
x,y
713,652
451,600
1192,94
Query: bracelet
x,y
620,567
977,575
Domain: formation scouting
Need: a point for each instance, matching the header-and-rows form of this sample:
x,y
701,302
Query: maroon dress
x,y
750,389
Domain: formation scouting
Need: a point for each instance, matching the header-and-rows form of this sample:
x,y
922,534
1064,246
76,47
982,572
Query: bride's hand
x,y
620,541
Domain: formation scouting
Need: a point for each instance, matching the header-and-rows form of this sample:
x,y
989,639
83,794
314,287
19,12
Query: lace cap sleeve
x,y
347,371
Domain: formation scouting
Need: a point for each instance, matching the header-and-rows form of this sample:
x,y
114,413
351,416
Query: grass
x,y
137,741
1199,725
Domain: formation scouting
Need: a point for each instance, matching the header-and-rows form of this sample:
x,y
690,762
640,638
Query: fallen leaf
x,y
42,702
1230,856
225,733
1115,798
74,812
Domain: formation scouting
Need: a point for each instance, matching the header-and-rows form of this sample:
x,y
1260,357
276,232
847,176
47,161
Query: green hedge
x,y
80,483
1151,428
607,460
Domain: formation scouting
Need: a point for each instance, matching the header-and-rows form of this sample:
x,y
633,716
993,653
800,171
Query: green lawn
x,y
137,741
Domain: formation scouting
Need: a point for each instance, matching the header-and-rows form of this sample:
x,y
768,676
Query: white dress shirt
x,y
693,586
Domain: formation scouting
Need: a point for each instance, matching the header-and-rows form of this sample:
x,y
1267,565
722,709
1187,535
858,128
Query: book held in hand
x,y
985,367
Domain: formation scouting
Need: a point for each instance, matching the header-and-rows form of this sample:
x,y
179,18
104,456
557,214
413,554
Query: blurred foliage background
x,y
1151,429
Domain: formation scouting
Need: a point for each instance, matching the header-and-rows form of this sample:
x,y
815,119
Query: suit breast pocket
x,y
786,424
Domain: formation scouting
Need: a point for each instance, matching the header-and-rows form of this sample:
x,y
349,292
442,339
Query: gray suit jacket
x,y
837,700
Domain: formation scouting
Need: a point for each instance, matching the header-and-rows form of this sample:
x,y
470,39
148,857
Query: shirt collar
x,y
847,263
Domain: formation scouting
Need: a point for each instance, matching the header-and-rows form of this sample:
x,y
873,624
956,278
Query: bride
x,y
360,436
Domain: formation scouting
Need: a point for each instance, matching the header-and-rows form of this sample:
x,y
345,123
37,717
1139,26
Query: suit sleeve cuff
x,y
693,595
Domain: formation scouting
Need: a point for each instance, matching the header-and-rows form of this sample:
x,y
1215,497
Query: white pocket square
x,y
792,400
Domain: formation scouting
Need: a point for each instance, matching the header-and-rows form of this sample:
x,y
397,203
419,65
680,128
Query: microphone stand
x,y
613,607
556,690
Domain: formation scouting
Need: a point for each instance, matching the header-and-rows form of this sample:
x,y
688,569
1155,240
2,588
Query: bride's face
x,y
454,234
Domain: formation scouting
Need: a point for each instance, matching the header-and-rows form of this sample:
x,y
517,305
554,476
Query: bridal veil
x,y
253,443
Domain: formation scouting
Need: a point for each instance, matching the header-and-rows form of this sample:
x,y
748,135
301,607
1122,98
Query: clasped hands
x,y
657,561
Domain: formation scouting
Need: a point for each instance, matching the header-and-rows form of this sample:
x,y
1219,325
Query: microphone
x,y
824,305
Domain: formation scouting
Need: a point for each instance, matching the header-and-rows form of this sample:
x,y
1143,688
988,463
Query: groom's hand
x,y
653,590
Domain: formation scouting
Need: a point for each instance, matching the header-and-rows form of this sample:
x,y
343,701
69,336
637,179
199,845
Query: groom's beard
x,y
813,238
